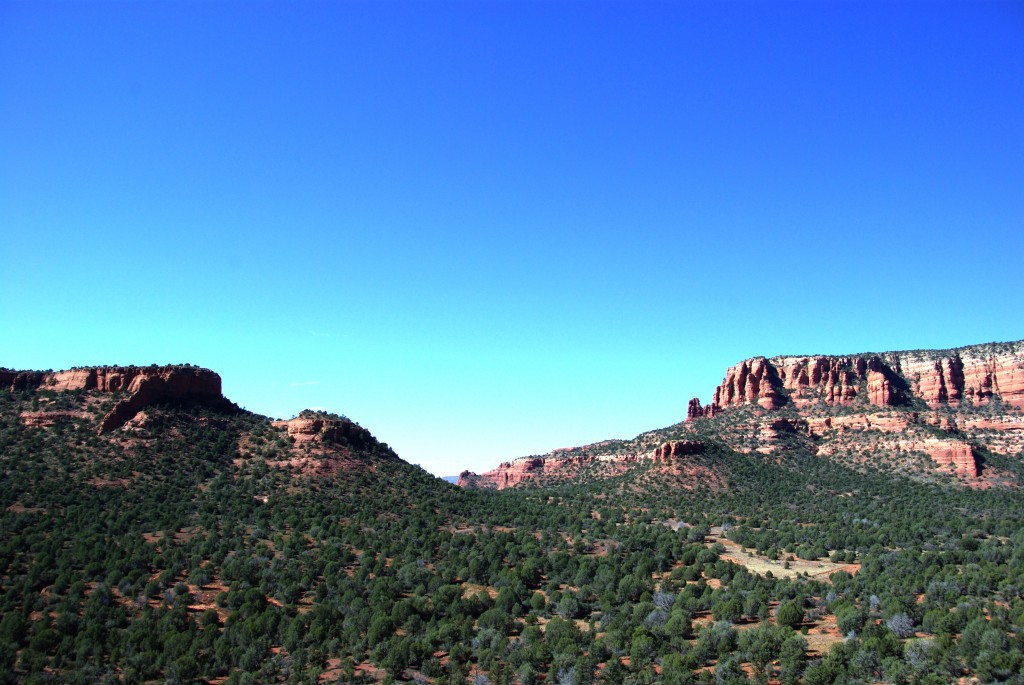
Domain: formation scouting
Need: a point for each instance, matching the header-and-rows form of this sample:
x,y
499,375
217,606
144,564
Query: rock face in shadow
x,y
20,380
149,385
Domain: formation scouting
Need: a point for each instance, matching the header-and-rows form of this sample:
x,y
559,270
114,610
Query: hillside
x,y
923,414
187,540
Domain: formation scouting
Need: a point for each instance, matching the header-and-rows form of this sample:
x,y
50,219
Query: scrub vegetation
x,y
186,548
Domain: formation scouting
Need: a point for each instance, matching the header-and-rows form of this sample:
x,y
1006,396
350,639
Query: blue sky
x,y
490,229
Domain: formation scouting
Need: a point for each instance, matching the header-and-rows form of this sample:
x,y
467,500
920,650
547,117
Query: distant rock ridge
x,y
143,384
979,374
563,464
895,409
935,382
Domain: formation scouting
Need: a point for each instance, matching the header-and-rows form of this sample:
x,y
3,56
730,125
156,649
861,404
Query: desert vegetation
x,y
193,545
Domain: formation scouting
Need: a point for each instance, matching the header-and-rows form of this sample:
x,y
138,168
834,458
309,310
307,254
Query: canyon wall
x,y
978,374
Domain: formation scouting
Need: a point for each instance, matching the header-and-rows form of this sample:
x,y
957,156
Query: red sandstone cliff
x,y
20,380
955,456
978,373
850,405
885,410
144,386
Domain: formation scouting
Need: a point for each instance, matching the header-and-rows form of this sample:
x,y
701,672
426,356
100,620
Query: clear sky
x,y
490,229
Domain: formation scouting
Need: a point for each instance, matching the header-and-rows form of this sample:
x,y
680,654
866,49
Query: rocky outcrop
x,y
867,410
468,479
508,473
830,380
955,456
979,374
20,380
564,464
754,380
677,449
883,423
695,411
847,405
175,381
145,385
324,444
142,385
321,428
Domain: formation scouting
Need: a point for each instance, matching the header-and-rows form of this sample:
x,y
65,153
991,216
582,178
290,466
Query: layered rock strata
x,y
866,409
978,374
563,464
143,385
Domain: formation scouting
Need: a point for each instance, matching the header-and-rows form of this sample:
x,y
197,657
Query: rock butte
x,y
143,385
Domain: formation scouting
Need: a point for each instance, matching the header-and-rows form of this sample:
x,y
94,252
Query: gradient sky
x,y
490,229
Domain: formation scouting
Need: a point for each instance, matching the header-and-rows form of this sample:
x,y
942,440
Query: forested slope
x,y
202,543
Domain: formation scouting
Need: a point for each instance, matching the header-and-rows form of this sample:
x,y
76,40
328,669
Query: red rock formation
x,y
677,449
858,408
468,479
311,427
323,444
752,380
72,379
20,380
986,377
510,473
183,380
879,389
956,456
146,385
831,380
694,410
770,383
978,373
564,464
